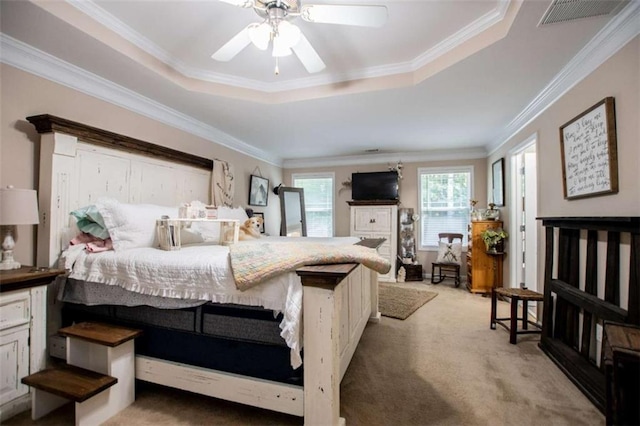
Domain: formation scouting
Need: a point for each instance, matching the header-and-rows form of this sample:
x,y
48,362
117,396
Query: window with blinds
x,y
444,199
318,202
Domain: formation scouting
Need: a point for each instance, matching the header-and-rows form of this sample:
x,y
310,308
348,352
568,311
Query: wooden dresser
x,y
377,219
484,271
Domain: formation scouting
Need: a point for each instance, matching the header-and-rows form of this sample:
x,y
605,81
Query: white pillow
x,y
211,231
132,225
237,213
190,236
449,253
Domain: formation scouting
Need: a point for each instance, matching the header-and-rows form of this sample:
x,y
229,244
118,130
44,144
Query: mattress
x,y
191,276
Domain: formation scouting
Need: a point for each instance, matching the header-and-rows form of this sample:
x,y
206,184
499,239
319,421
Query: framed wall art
x,y
497,181
589,152
258,191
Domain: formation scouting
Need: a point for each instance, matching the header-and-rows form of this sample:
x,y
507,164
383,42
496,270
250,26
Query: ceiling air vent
x,y
568,10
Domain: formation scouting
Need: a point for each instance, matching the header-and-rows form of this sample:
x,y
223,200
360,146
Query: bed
x,y
592,276
80,164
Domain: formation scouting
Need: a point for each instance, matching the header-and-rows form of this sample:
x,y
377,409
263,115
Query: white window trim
x,y
322,175
428,170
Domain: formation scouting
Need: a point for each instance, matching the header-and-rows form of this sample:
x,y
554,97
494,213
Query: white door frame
x,y
516,243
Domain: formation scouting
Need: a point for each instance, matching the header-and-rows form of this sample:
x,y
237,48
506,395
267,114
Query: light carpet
x,y
443,366
400,301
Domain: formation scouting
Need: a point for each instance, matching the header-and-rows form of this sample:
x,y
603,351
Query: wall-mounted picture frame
x,y
589,149
261,215
258,191
497,181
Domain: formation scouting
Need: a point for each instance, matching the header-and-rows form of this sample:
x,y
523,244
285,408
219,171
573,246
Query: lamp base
x,y
8,244
8,262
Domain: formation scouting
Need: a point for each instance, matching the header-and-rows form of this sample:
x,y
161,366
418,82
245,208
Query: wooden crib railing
x,y
573,306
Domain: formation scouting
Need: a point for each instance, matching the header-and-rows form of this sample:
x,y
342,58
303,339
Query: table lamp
x,y
17,207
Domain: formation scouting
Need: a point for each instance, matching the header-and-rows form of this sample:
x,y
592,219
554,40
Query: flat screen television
x,y
374,186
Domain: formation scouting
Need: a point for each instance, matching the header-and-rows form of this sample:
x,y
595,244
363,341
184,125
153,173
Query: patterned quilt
x,y
255,262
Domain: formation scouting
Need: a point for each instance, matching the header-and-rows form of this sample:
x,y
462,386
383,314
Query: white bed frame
x,y
79,163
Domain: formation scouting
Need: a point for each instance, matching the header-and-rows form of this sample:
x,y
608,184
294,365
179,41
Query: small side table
x,y
498,258
27,277
23,332
515,294
621,358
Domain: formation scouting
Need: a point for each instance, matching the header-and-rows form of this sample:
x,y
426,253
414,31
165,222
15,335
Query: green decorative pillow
x,y
449,253
90,221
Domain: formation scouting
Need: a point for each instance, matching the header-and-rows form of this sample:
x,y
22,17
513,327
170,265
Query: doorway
x,y
524,262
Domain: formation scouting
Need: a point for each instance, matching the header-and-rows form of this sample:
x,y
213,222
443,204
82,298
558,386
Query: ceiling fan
x,y
286,38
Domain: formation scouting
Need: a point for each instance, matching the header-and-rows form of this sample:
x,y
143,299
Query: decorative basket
x,y
168,232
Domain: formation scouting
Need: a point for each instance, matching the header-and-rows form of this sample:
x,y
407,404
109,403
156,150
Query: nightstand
x,y
23,333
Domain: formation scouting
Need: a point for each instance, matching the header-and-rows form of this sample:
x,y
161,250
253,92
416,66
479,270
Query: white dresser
x,y
377,219
23,314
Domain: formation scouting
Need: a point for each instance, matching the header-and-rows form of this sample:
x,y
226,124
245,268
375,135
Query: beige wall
x,y
618,77
24,94
408,190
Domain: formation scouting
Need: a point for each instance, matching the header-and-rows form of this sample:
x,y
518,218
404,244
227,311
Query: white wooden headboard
x,y
79,164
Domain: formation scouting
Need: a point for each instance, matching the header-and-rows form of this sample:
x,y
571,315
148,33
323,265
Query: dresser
x,y
23,327
484,271
377,219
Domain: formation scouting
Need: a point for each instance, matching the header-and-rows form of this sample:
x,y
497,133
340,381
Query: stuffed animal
x,y
402,274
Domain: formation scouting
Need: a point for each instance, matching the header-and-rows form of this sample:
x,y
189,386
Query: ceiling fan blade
x,y
240,3
362,16
308,56
233,46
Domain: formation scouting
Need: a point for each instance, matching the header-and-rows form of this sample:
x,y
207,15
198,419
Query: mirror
x,y
293,221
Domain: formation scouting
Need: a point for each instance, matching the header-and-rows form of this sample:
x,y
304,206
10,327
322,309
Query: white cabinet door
x,y
14,363
372,219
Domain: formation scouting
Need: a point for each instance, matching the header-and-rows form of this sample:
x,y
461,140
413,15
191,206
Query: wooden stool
x,y
515,294
99,377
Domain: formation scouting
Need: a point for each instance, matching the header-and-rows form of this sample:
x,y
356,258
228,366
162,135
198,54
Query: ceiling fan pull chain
x,y
277,70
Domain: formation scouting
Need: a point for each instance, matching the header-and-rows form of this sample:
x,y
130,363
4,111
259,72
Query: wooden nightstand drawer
x,y
14,309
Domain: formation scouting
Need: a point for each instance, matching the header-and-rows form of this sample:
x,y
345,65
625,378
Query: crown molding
x,y
475,28
97,13
386,157
611,38
26,58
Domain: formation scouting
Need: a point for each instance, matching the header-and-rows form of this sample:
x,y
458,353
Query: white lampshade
x,y
289,33
260,35
18,206
280,48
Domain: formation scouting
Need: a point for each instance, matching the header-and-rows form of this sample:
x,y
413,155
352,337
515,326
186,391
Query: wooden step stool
x,y
99,377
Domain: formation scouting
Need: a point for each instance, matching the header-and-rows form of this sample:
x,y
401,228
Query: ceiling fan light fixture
x,y
288,33
280,47
286,37
260,35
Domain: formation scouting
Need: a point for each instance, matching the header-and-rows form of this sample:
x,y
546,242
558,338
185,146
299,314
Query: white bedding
x,y
200,272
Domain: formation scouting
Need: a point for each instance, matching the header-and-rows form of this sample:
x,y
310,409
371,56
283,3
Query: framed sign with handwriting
x,y
589,152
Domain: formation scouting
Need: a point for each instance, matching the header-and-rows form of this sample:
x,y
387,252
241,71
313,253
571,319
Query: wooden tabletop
x,y
623,338
26,277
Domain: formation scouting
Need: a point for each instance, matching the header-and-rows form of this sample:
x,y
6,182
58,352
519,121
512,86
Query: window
x,y
318,202
444,197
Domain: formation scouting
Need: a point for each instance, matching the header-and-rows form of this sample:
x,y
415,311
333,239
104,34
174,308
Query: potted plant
x,y
494,238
